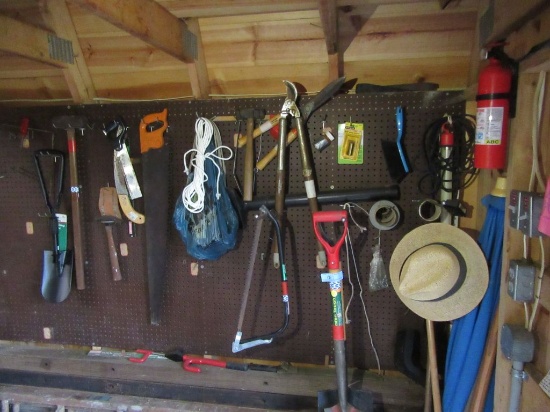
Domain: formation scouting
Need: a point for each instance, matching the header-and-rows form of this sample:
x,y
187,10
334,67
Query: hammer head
x,y
70,122
244,114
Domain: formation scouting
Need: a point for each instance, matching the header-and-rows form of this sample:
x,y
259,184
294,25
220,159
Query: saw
x,y
126,183
155,158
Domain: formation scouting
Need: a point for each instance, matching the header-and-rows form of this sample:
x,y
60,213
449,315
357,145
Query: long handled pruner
x,y
362,400
240,344
290,108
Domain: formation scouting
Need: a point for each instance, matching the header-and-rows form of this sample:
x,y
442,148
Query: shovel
x,y
58,263
110,215
343,397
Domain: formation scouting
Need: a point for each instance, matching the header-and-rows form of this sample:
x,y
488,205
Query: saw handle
x,y
116,131
333,250
151,131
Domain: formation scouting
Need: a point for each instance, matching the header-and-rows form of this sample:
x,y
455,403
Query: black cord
x,y
460,162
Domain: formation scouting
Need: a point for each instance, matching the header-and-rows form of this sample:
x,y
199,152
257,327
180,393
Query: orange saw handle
x,y
151,130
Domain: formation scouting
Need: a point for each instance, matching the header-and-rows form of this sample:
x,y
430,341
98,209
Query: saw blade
x,y
124,164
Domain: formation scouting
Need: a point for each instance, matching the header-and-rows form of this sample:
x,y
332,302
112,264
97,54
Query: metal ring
x,y
429,210
384,215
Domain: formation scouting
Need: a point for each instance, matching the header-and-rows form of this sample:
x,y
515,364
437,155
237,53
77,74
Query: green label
x,y
62,231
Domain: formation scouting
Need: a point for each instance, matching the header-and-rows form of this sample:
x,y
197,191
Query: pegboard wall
x,y
200,313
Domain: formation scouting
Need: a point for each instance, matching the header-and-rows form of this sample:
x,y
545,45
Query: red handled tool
x,y
189,360
361,400
175,355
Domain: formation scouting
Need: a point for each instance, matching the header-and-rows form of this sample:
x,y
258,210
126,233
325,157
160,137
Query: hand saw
x,y
126,183
155,158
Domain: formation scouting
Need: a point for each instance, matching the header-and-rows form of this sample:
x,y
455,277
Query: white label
x,y
489,125
310,189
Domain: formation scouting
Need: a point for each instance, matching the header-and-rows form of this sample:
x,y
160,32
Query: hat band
x,y
461,274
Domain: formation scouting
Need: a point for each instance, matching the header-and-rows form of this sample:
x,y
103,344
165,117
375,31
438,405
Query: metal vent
x,y
60,49
190,44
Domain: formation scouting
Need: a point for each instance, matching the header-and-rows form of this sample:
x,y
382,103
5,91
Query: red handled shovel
x,y
344,397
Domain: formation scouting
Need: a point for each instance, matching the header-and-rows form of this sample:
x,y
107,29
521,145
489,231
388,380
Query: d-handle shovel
x,y
57,263
344,397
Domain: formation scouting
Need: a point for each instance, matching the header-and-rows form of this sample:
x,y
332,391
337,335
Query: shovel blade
x,y
358,400
56,286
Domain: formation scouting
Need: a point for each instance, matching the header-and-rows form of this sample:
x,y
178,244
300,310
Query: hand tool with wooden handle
x,y
156,161
250,116
110,215
70,123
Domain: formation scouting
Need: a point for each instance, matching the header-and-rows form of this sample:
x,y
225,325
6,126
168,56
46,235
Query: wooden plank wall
x,y
518,176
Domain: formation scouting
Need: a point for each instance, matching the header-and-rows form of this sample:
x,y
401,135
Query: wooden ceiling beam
x,y
329,20
27,41
152,23
76,75
146,20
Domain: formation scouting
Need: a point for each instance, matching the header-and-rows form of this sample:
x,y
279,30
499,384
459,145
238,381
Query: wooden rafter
x,y
27,41
198,74
329,20
77,75
152,23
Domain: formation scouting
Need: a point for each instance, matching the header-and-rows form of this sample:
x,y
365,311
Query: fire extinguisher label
x,y
489,125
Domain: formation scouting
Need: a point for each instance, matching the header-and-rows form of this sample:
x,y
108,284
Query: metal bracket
x,y
60,49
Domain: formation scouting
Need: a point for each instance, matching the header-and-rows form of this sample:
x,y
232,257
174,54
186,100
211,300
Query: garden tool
x,y
58,263
343,396
110,215
290,108
70,123
126,183
321,98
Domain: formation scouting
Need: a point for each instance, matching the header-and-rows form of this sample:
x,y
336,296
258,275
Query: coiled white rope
x,y
193,194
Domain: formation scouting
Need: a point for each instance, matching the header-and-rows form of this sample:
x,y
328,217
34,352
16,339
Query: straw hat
x,y
439,272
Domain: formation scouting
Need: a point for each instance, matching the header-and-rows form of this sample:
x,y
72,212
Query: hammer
x,y
250,115
70,123
110,215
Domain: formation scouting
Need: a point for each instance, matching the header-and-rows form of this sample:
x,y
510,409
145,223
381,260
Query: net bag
x,y
204,216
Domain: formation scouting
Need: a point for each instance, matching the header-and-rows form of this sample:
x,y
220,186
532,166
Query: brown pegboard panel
x,y
200,313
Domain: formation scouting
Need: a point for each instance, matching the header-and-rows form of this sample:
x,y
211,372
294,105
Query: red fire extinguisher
x,y
493,107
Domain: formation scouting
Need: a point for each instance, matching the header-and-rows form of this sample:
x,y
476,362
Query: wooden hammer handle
x,y
113,256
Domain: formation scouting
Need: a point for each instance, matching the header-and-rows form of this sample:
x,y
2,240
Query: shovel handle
x,y
75,211
113,255
333,250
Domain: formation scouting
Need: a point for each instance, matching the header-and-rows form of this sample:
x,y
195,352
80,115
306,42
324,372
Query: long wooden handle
x,y
113,255
479,393
75,206
434,374
248,184
272,154
264,127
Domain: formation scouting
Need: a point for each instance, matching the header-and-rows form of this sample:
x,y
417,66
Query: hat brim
x,y
470,293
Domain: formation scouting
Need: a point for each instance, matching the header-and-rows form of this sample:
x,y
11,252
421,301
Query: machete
x,y
155,159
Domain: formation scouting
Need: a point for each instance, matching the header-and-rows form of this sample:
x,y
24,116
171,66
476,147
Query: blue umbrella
x,y
469,333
